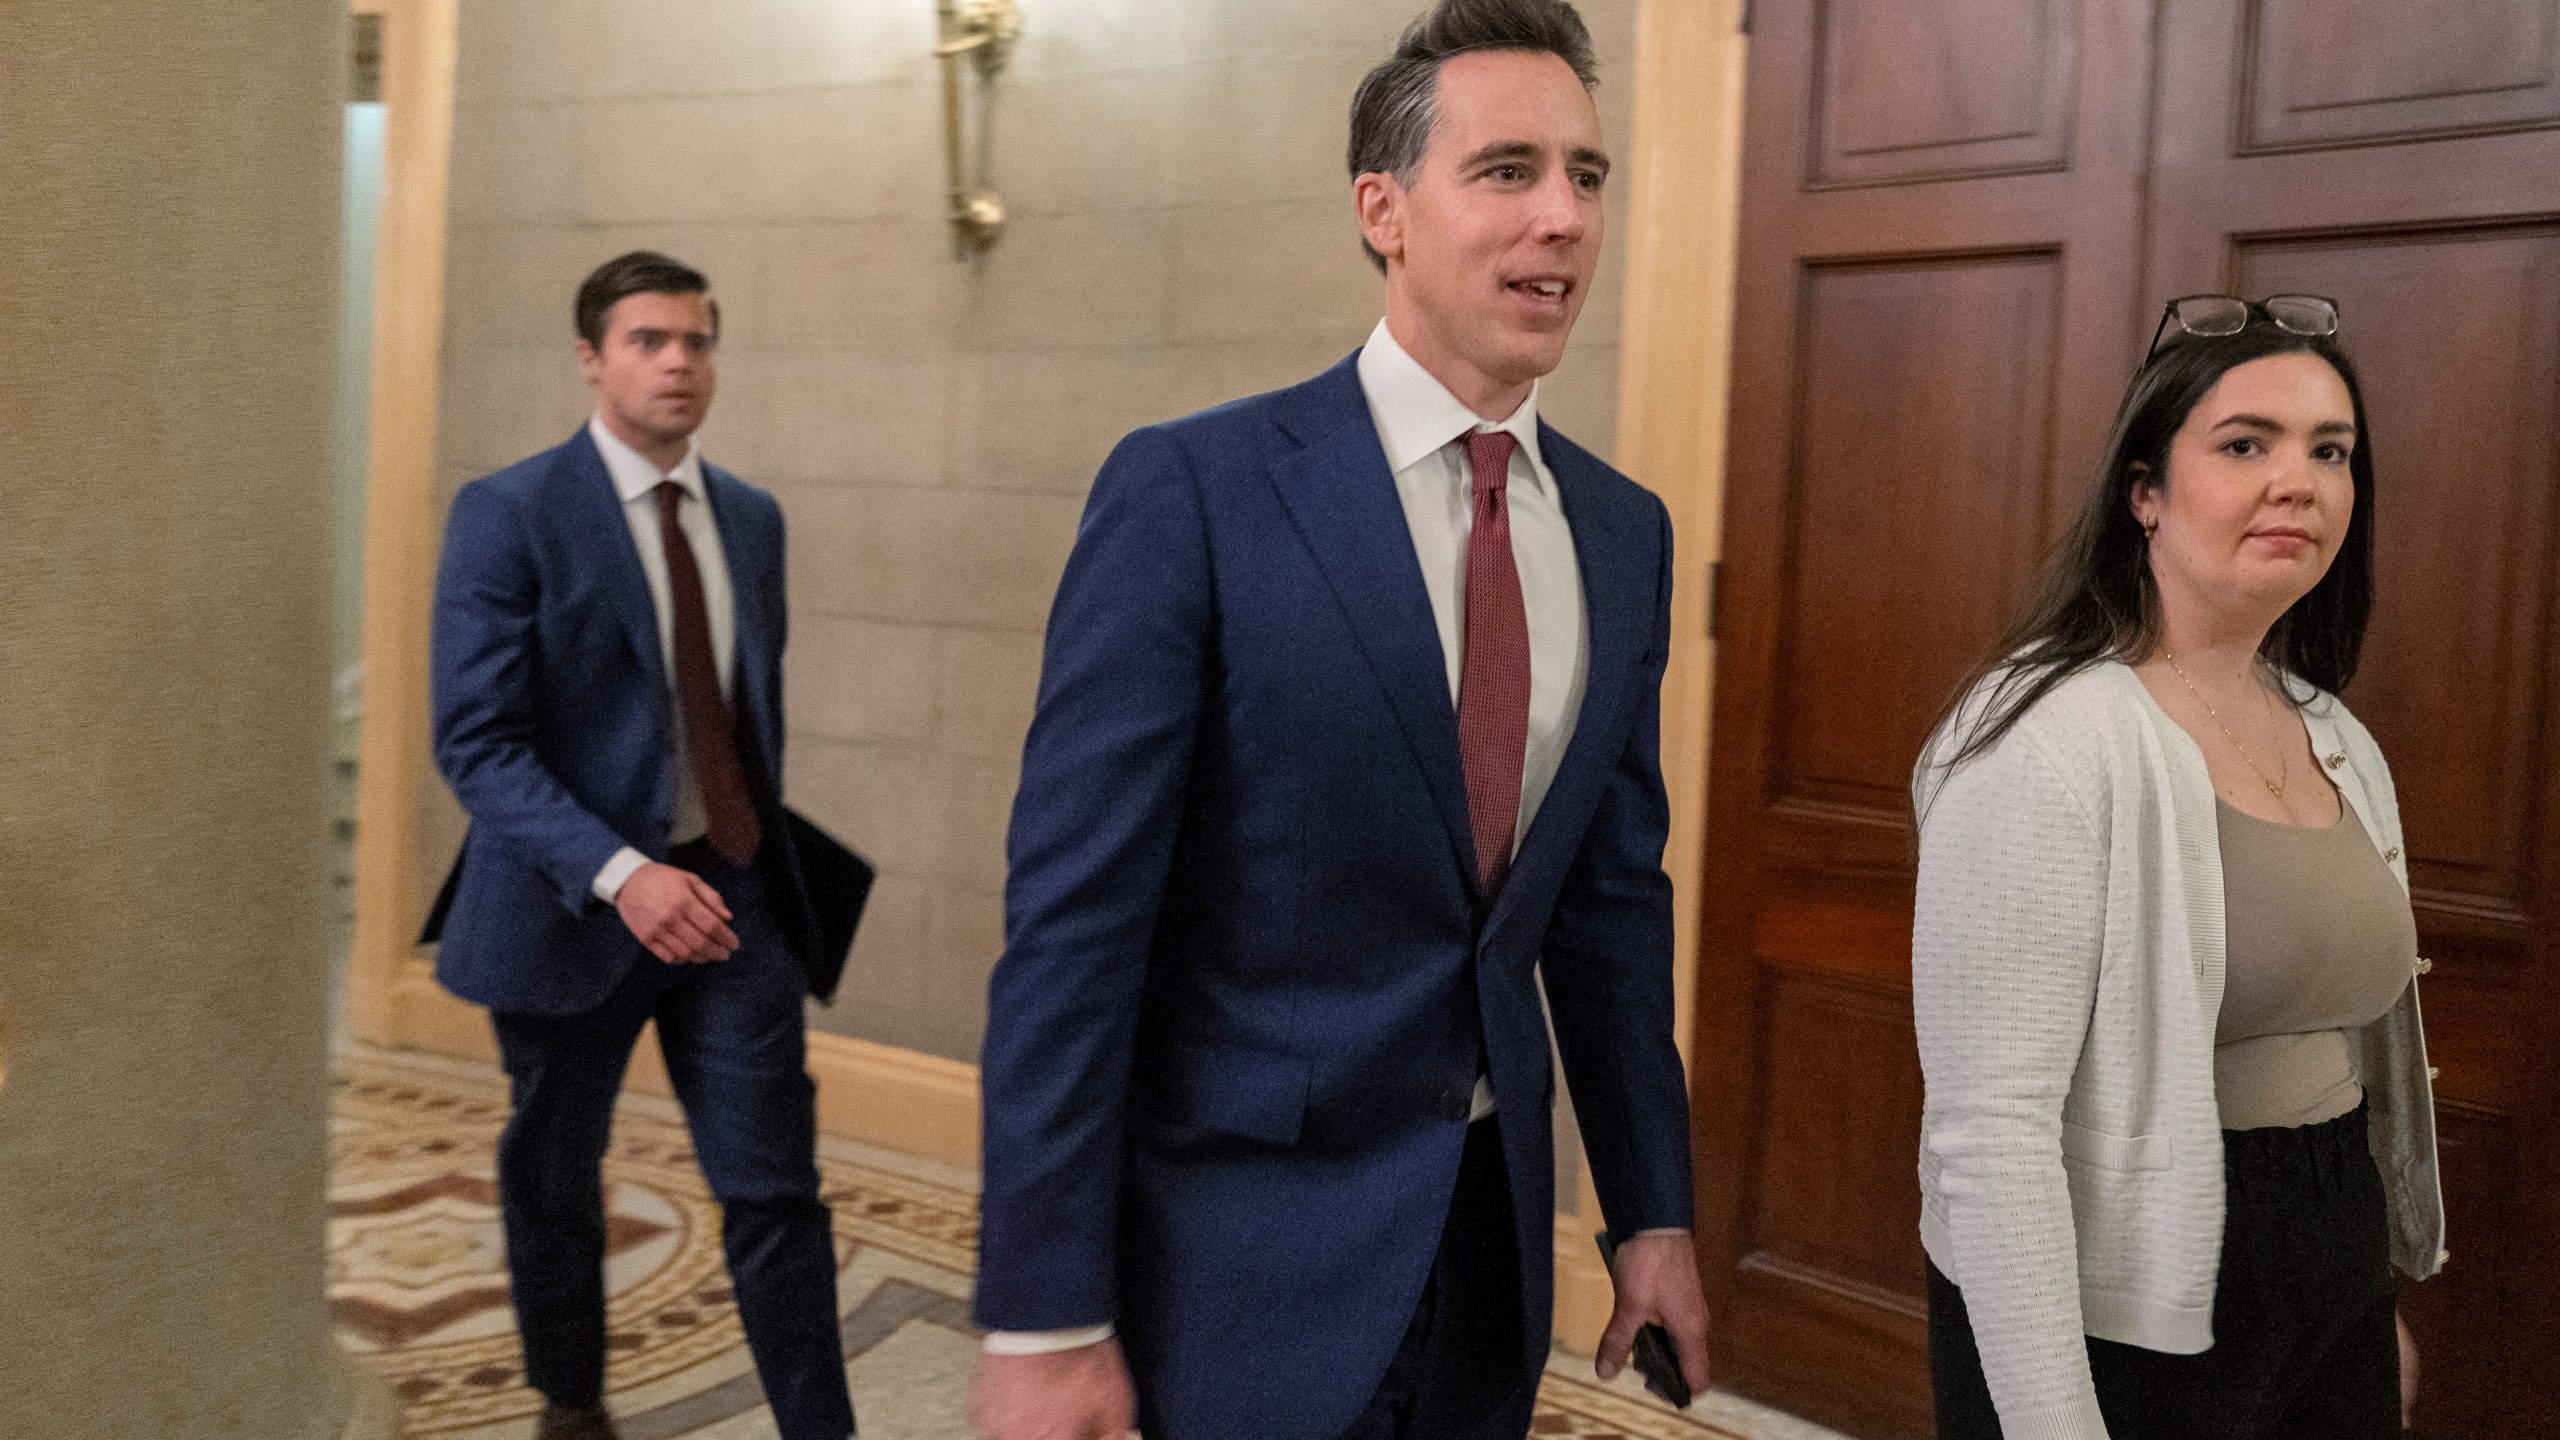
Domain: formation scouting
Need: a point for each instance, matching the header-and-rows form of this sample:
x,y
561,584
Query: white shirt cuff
x,y
1045,1342
625,863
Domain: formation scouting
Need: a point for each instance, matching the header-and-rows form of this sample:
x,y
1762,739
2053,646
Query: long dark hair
x,y
2098,602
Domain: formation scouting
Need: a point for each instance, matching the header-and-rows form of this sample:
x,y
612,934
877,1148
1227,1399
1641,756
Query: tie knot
x,y
1489,458
670,495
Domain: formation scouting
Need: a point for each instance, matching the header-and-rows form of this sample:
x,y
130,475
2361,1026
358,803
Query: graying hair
x,y
1393,110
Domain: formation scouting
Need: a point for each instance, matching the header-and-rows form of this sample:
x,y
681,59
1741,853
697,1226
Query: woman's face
x,y
2258,494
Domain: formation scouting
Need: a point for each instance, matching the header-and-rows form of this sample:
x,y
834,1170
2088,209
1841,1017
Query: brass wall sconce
x,y
984,32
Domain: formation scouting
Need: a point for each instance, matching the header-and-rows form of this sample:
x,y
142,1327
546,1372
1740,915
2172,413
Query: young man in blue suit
x,y
608,639
1347,731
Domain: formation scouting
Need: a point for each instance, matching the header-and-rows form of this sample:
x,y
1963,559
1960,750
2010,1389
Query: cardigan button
x,y
2337,760
2432,1073
2444,1257
2391,854
2425,965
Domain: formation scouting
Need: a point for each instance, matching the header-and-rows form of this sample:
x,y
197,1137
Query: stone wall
x,y
1181,235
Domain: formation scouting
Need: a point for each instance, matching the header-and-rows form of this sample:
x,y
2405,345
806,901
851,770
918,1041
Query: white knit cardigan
x,y
2067,968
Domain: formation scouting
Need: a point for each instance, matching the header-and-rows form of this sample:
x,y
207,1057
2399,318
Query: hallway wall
x,y
1182,235
171,171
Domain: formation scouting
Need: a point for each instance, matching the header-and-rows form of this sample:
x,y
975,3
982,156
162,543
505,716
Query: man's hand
x,y
677,915
1657,1284
1079,1394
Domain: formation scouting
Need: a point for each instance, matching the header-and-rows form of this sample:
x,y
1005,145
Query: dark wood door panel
x,y
2419,185
1811,923
1877,629
2483,1374
2361,72
1938,265
1906,93
2457,336
1959,217
1839,1139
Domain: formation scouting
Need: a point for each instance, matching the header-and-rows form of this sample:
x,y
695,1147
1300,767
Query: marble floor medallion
x,y
418,1281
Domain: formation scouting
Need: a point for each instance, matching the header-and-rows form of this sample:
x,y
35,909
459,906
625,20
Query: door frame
x,y
1675,368
383,961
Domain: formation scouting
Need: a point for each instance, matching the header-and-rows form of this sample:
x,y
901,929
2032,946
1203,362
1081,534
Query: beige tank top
x,y
2320,942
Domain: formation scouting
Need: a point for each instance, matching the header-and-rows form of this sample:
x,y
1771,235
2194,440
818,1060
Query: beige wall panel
x,y
983,697
1061,140
832,417
882,287
166,349
878,686
1073,280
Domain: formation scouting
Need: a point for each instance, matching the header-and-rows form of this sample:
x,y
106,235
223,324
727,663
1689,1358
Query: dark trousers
x,y
734,1038
2303,1341
1460,1373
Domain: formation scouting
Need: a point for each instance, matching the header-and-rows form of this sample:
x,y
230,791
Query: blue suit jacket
x,y
1248,978
554,723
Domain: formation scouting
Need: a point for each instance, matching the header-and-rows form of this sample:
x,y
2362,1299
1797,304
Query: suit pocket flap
x,y
2116,1152
1224,1088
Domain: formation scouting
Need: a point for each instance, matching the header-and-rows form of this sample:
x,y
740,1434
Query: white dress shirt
x,y
636,479
1421,425
1423,428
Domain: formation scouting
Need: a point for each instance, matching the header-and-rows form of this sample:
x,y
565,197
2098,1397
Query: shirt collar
x,y
1416,414
635,475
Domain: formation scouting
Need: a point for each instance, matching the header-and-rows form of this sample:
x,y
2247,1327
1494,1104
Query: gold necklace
x,y
2275,786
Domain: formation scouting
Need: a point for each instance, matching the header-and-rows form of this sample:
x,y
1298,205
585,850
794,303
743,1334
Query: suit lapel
x,y
1618,615
603,531
1341,496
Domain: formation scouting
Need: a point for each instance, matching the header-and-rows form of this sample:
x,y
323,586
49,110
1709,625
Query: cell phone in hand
x,y
1655,1360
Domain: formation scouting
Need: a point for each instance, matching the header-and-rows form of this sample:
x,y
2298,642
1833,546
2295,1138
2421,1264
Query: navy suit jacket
x,y
1248,977
554,723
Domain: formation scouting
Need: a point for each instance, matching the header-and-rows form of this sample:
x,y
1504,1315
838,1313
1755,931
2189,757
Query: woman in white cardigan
x,y
2178,1127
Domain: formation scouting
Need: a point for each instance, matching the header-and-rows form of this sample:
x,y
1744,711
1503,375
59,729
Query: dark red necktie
x,y
1493,674
710,738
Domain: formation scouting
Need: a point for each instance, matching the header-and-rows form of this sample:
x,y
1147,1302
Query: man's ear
x,y
1378,199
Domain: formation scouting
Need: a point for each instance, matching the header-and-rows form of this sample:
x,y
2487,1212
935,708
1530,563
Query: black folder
x,y
837,882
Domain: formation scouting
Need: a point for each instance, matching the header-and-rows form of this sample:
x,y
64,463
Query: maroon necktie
x,y
710,739
1493,676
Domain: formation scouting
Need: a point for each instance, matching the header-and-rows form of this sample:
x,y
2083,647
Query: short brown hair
x,y
1393,110
642,272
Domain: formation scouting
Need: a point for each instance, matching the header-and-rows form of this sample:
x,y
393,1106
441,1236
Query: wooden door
x,y
1938,262
1959,220
2405,160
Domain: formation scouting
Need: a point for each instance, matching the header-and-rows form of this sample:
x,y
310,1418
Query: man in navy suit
x,y
608,639
1347,729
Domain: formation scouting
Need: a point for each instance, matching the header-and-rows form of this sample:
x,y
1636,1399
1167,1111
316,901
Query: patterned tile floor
x,y
417,1281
